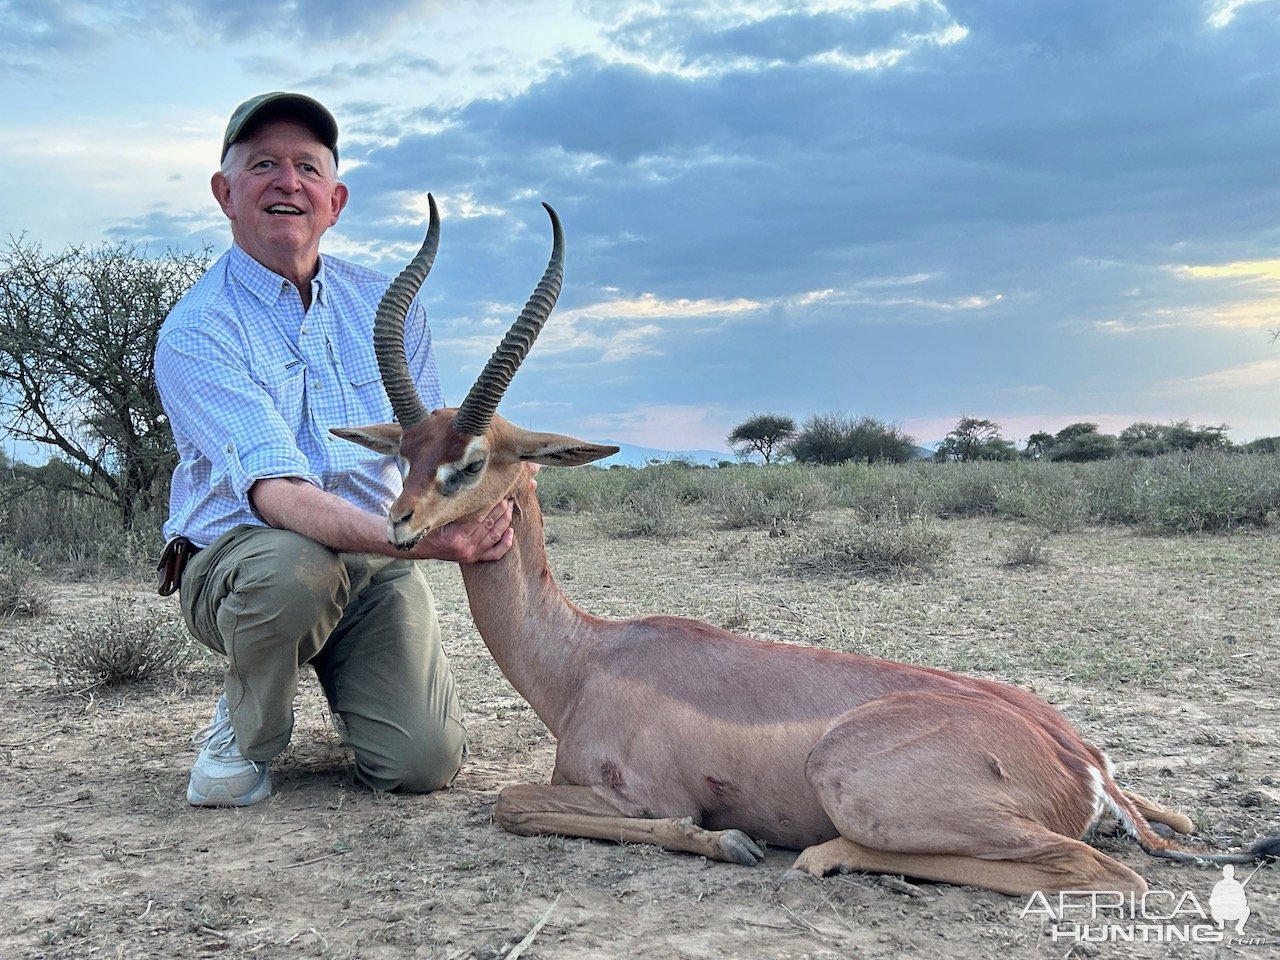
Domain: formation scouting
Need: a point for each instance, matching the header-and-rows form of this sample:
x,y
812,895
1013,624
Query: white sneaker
x,y
221,776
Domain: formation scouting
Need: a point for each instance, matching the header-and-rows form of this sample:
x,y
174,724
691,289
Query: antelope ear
x,y
381,437
556,450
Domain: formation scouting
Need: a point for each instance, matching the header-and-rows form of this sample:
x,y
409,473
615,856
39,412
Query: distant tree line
x,y
839,438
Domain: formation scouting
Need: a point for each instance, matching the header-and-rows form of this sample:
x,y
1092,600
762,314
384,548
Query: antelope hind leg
x,y
571,811
1158,814
952,789
1013,877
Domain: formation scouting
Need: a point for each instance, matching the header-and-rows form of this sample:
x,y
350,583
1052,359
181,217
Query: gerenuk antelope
x,y
681,734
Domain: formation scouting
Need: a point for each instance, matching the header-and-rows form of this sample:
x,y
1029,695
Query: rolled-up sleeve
x,y
235,423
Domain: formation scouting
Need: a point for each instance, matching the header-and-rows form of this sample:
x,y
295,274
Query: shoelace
x,y
219,738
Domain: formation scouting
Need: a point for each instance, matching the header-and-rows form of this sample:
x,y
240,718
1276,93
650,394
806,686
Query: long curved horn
x,y
388,327
482,400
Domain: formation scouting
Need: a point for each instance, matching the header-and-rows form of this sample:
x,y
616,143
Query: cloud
x,y
34,32
855,204
1222,13
1259,373
1267,271
705,39
1246,293
648,306
819,168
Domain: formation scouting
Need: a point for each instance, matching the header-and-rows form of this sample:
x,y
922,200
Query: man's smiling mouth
x,y
284,209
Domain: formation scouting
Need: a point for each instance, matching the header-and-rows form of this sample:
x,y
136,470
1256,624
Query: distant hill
x,y
633,456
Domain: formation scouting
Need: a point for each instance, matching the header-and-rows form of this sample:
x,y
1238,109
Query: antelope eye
x,y
473,468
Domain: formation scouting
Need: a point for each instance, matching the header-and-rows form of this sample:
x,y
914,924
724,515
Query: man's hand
x,y
469,541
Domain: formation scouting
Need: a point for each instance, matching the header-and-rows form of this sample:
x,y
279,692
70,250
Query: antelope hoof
x,y
737,847
818,863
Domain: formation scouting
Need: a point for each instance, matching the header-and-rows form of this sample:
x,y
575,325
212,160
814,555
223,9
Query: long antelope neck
x,y
540,640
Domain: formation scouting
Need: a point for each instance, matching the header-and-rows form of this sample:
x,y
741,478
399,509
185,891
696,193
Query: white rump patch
x,y
1103,802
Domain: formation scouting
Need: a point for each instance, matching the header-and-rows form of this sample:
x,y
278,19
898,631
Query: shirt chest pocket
x,y
287,389
360,368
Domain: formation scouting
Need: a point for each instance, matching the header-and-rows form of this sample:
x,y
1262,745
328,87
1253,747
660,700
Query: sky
x,y
1037,213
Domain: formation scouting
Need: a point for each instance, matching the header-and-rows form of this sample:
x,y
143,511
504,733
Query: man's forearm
x,y
293,504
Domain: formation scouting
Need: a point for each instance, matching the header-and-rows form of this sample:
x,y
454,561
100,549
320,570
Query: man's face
x,y
281,194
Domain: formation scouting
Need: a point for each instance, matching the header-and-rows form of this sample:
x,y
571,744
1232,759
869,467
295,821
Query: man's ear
x,y
338,201
221,188
557,450
381,437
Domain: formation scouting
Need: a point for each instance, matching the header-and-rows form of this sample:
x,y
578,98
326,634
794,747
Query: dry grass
x,y
1160,649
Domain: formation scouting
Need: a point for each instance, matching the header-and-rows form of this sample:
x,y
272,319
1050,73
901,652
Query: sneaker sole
x,y
221,797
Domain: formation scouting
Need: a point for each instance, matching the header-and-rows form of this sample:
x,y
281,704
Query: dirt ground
x,y
1161,649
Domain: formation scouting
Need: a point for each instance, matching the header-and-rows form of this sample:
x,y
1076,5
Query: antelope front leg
x,y
570,811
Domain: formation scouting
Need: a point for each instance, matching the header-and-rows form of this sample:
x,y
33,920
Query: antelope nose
x,y
397,528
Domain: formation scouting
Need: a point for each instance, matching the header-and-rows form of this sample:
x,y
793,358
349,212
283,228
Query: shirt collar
x,y
318,284
267,285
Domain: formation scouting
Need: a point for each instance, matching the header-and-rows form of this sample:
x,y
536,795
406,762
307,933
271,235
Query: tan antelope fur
x,y
681,734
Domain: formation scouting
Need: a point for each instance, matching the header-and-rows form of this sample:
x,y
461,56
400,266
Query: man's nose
x,y
287,177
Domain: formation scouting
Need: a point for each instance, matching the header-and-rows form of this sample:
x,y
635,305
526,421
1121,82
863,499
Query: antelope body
x,y
675,732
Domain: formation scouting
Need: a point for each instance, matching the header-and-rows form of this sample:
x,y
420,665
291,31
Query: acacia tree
x,y
1038,445
1081,442
765,434
77,334
975,439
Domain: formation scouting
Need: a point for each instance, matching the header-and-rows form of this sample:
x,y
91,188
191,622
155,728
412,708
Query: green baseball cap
x,y
282,106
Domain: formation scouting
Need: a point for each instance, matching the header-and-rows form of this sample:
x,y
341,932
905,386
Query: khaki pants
x,y
273,600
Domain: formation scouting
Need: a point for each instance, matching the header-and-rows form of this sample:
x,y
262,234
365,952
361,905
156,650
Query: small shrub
x,y
1049,498
968,489
80,537
654,510
574,491
880,490
686,482
126,644
19,591
1029,550
880,546
1189,493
